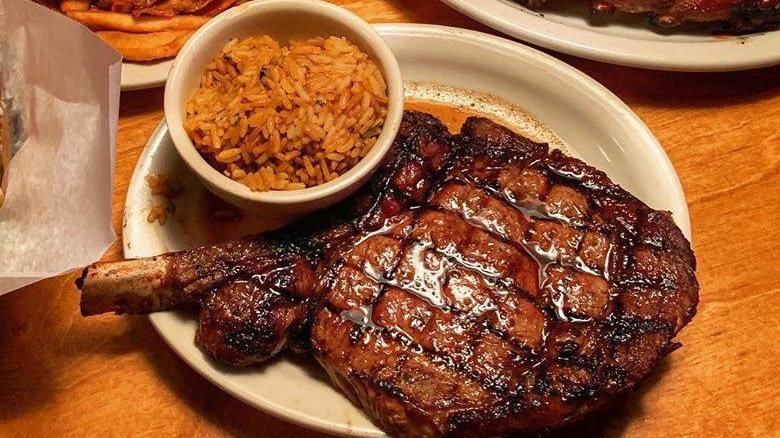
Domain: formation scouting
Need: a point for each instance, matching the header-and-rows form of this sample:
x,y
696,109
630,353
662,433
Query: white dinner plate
x,y
592,123
143,75
567,26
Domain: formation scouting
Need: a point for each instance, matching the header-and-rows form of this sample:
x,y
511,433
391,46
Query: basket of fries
x,y
144,30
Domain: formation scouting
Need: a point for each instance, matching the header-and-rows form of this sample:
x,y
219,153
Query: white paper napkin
x,y
57,211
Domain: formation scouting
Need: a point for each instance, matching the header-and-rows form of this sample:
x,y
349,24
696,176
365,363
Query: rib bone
x,y
133,286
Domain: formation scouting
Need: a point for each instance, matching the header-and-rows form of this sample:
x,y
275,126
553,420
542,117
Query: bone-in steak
x,y
479,285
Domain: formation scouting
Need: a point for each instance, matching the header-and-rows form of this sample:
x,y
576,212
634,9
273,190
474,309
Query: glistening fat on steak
x,y
479,285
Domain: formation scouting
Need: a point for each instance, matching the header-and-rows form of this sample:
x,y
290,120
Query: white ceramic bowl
x,y
282,20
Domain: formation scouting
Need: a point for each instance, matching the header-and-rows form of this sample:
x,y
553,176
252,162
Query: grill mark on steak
x,y
389,278
526,244
477,285
369,331
386,277
434,297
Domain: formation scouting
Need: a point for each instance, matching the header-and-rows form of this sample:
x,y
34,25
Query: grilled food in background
x,y
741,15
478,285
144,30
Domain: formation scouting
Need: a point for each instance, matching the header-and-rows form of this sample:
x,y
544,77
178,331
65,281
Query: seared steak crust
x,y
525,290
479,285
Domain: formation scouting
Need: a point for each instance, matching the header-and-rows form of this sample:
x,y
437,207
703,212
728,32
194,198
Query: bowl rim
x,y
383,56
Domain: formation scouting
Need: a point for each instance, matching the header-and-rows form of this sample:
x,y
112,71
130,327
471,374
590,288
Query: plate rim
x,y
536,30
155,82
214,375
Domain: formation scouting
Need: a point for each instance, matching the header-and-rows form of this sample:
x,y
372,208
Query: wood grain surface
x,y
63,375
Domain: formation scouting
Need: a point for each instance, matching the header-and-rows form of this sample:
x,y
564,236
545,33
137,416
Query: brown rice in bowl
x,y
286,118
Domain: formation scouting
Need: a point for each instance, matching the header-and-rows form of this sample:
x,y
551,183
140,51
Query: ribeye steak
x,y
478,285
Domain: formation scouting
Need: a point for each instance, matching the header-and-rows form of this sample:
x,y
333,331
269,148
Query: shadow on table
x,y
42,345
22,370
432,12
139,102
682,90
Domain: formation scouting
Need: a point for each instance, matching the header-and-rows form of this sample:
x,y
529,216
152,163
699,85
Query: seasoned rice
x,y
286,118
157,213
158,184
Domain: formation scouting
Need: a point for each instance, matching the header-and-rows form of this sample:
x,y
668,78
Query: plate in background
x,y
587,119
626,39
143,75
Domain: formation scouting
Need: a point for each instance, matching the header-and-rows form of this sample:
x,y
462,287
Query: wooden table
x,y
63,375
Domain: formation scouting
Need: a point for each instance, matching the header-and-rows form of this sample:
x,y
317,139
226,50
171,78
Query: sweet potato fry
x,y
101,20
146,46
74,5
